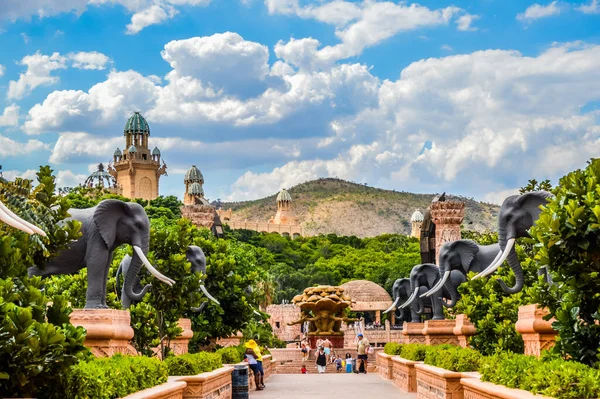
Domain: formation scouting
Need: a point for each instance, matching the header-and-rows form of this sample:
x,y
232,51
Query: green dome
x,y
100,178
132,149
155,151
117,152
196,189
193,175
136,124
284,196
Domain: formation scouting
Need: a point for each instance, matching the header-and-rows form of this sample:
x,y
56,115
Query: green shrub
x,y
392,348
193,363
453,358
415,352
556,377
567,237
115,377
231,354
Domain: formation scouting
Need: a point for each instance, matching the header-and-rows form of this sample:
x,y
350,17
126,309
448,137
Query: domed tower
x,y
285,214
416,220
100,178
137,170
194,192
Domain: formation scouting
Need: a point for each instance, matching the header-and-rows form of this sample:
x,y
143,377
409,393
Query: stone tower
x,y
194,192
416,221
137,170
285,214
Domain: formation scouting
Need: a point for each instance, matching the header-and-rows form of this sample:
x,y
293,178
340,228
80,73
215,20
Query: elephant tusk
x,y
30,226
494,267
6,218
393,305
203,288
438,286
411,299
256,313
482,273
151,268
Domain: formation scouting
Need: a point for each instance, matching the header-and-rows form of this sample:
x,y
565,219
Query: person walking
x,y
327,346
321,361
348,363
250,357
251,344
362,348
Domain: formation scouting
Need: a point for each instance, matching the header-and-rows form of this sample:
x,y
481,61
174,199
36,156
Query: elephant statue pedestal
x,y
463,330
438,332
108,330
537,333
179,345
412,333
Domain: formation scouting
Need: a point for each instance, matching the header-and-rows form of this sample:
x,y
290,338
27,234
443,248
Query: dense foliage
x,y
567,237
114,377
37,343
392,348
193,363
232,354
453,358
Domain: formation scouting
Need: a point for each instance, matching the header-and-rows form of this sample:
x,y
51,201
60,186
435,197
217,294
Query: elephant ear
x,y
531,202
106,217
467,250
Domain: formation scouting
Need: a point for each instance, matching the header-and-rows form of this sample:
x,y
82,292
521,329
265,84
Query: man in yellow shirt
x,y
362,347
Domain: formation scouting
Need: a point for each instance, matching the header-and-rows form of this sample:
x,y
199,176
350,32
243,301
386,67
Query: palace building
x,y
136,169
195,207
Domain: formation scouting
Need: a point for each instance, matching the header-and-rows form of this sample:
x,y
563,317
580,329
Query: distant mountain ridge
x,y
341,207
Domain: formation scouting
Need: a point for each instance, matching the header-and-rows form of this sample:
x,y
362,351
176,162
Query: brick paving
x,y
316,386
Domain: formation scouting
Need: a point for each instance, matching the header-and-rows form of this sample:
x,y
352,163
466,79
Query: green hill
x,y
346,208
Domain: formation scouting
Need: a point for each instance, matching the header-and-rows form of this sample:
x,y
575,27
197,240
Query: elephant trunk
x,y
132,272
515,265
454,295
420,305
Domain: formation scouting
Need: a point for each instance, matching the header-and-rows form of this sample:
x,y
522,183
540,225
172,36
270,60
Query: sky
x,y
473,97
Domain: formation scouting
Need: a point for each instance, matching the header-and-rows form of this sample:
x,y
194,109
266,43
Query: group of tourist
x,y
254,359
325,355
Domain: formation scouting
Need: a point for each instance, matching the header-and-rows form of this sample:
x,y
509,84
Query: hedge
x,y
453,358
415,352
553,377
114,377
231,354
193,363
392,348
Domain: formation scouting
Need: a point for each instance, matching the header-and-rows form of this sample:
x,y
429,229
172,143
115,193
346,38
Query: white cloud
x,y
39,68
66,178
25,38
13,10
358,26
445,47
498,197
89,60
11,175
464,22
10,116
2,70
72,146
592,8
537,11
9,147
150,16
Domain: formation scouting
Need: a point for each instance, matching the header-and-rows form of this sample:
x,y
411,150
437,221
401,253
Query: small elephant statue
x,y
400,293
423,278
11,219
104,227
517,215
463,256
194,255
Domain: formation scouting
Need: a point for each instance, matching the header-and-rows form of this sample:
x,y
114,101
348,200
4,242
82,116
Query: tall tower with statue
x,y
136,169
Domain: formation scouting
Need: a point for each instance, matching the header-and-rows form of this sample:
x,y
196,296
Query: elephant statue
x,y
463,256
517,215
105,227
194,255
423,278
400,293
11,219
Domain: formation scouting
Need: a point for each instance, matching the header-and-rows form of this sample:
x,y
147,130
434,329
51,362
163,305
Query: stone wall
x,y
281,315
377,337
200,215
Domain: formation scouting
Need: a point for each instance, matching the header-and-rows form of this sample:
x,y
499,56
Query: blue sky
x,y
470,97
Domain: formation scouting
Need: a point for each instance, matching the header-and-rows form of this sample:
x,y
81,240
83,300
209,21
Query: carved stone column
x,y
463,330
537,333
447,217
439,332
179,345
412,333
108,330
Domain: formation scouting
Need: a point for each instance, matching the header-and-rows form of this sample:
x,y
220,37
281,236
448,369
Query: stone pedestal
x,y
463,330
447,217
336,340
108,330
179,345
537,333
412,333
439,332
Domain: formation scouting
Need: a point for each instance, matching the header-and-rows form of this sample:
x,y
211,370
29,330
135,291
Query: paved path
x,y
328,386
